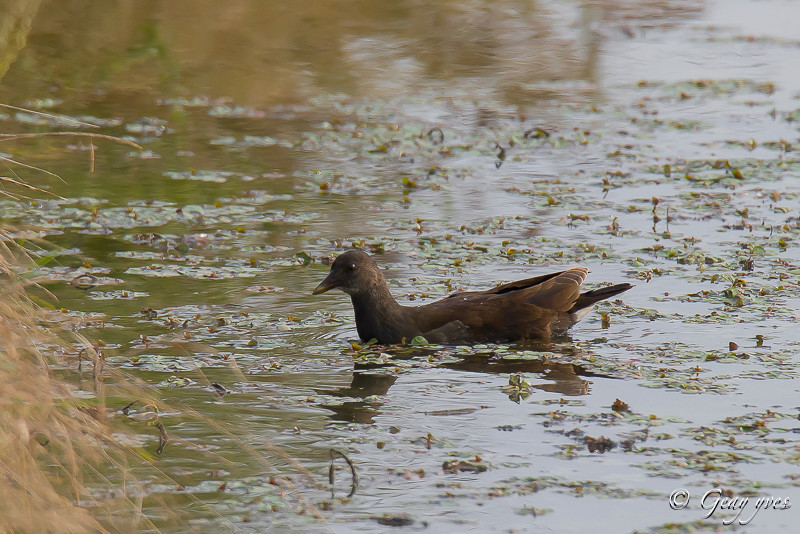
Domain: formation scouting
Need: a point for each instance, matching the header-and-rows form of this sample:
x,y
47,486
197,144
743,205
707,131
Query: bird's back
x,y
517,310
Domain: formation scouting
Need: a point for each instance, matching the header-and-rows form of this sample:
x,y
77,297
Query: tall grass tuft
x,y
60,443
45,436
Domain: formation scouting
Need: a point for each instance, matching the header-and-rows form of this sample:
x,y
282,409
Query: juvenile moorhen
x,y
535,308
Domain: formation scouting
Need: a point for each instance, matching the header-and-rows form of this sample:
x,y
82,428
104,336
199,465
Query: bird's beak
x,y
326,285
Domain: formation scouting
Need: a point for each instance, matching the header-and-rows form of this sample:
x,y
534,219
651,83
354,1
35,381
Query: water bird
x,y
531,309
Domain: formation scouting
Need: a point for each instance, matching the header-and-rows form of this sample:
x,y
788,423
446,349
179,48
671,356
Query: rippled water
x,y
661,149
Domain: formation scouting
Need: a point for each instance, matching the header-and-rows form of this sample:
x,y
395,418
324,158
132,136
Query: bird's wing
x,y
524,308
450,333
555,291
522,284
558,292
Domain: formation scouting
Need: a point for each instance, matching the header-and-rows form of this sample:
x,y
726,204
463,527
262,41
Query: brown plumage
x,y
535,308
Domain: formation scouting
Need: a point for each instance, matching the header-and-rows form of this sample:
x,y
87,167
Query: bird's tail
x,y
596,295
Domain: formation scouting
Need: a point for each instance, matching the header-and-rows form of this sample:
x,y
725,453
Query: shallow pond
x,y
464,144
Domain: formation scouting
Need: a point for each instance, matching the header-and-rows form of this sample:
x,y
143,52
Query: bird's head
x,y
354,272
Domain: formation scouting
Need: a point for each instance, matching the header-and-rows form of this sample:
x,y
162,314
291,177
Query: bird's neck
x,y
379,316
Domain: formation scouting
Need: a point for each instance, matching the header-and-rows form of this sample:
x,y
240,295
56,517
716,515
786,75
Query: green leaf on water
x,y
304,257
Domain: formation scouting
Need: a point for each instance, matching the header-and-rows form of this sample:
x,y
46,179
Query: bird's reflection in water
x,y
369,383
365,384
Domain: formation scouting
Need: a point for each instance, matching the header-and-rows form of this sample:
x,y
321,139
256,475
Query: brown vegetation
x,y
46,435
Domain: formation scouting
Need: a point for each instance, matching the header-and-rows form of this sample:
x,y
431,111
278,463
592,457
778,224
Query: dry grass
x,y
56,445
52,440
44,436
49,438
57,440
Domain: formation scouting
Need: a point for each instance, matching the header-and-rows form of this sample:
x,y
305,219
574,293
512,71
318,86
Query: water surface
x,y
465,144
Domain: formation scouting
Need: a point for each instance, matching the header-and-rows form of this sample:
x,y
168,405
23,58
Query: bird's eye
x,y
352,267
